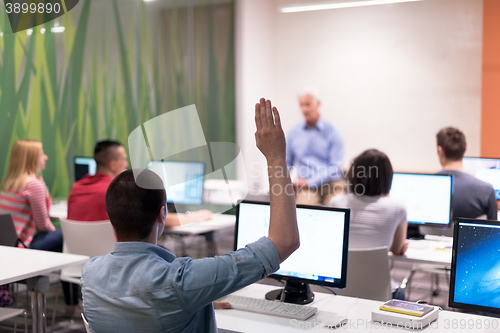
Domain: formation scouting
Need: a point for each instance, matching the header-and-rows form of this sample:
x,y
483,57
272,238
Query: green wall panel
x,y
116,65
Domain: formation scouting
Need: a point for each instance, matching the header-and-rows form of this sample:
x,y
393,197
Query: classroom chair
x,y
85,323
85,238
368,274
7,313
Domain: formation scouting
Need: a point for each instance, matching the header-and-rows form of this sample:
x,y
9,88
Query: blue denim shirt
x,y
316,152
141,287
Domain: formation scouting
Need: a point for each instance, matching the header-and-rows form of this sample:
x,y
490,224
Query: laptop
x,y
8,235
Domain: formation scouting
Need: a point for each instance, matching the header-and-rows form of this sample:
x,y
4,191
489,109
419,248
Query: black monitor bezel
x,y
343,280
434,224
202,184
451,299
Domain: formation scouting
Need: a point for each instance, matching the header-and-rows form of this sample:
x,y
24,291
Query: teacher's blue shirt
x,y
141,287
316,152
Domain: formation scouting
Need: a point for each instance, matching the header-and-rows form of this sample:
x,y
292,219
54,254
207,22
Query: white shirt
x,y
374,219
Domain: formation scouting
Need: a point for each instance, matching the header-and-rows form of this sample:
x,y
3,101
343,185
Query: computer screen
x,y
427,197
485,169
322,256
475,267
183,181
84,165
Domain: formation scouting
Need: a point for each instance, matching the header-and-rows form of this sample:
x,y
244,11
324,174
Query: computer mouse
x,y
335,322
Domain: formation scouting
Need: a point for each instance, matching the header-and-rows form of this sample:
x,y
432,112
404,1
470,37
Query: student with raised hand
x,y
141,287
376,219
24,195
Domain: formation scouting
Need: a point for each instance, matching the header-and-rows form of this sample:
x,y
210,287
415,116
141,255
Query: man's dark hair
x,y
105,151
452,140
370,174
133,209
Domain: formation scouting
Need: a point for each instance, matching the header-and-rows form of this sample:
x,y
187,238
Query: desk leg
x,y
211,245
38,286
42,318
34,312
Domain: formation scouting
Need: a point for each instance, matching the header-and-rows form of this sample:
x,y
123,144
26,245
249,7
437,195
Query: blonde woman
x,y
24,195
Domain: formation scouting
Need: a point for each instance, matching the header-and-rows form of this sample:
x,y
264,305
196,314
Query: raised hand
x,y
269,136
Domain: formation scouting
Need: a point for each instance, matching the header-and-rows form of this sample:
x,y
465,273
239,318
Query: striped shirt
x,y
29,208
374,219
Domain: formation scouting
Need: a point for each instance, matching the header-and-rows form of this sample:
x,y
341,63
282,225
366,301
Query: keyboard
x,y
273,308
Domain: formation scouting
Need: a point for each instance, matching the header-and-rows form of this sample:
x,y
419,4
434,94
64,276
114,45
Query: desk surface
x,y
432,250
59,209
358,311
217,222
19,264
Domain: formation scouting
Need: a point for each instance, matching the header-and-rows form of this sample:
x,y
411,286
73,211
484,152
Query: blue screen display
x,y
477,272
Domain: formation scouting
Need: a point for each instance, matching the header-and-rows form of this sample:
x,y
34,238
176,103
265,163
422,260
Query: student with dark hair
x,y
471,197
141,287
376,219
86,200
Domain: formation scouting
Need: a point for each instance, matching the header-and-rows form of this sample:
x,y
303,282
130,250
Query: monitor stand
x,y
293,292
413,232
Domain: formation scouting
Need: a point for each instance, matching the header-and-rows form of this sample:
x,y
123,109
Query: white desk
x,y
432,250
20,264
59,209
205,228
218,222
358,312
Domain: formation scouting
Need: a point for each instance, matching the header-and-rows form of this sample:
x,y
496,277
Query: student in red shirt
x,y
87,199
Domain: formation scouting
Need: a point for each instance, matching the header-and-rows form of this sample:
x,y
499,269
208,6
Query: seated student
x,y
376,219
471,197
87,199
141,287
24,195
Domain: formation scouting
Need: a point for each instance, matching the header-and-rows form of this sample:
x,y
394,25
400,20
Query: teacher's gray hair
x,y
311,91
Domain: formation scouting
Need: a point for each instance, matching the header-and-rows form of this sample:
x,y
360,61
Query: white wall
x,y
254,79
390,76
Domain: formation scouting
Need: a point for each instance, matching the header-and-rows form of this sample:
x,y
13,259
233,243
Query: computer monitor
x,y
427,197
321,258
183,181
475,266
84,165
485,169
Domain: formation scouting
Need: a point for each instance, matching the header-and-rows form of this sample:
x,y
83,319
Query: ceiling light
x,y
337,5
57,29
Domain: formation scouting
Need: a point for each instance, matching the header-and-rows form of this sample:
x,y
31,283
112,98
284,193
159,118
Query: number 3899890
x,y
33,7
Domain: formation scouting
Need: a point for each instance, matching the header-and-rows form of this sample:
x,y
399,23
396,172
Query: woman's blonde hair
x,y
24,159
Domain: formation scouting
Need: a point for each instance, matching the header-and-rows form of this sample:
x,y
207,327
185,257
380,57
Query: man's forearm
x,y
283,230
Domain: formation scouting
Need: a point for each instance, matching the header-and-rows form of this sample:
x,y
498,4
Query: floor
x,y
420,288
